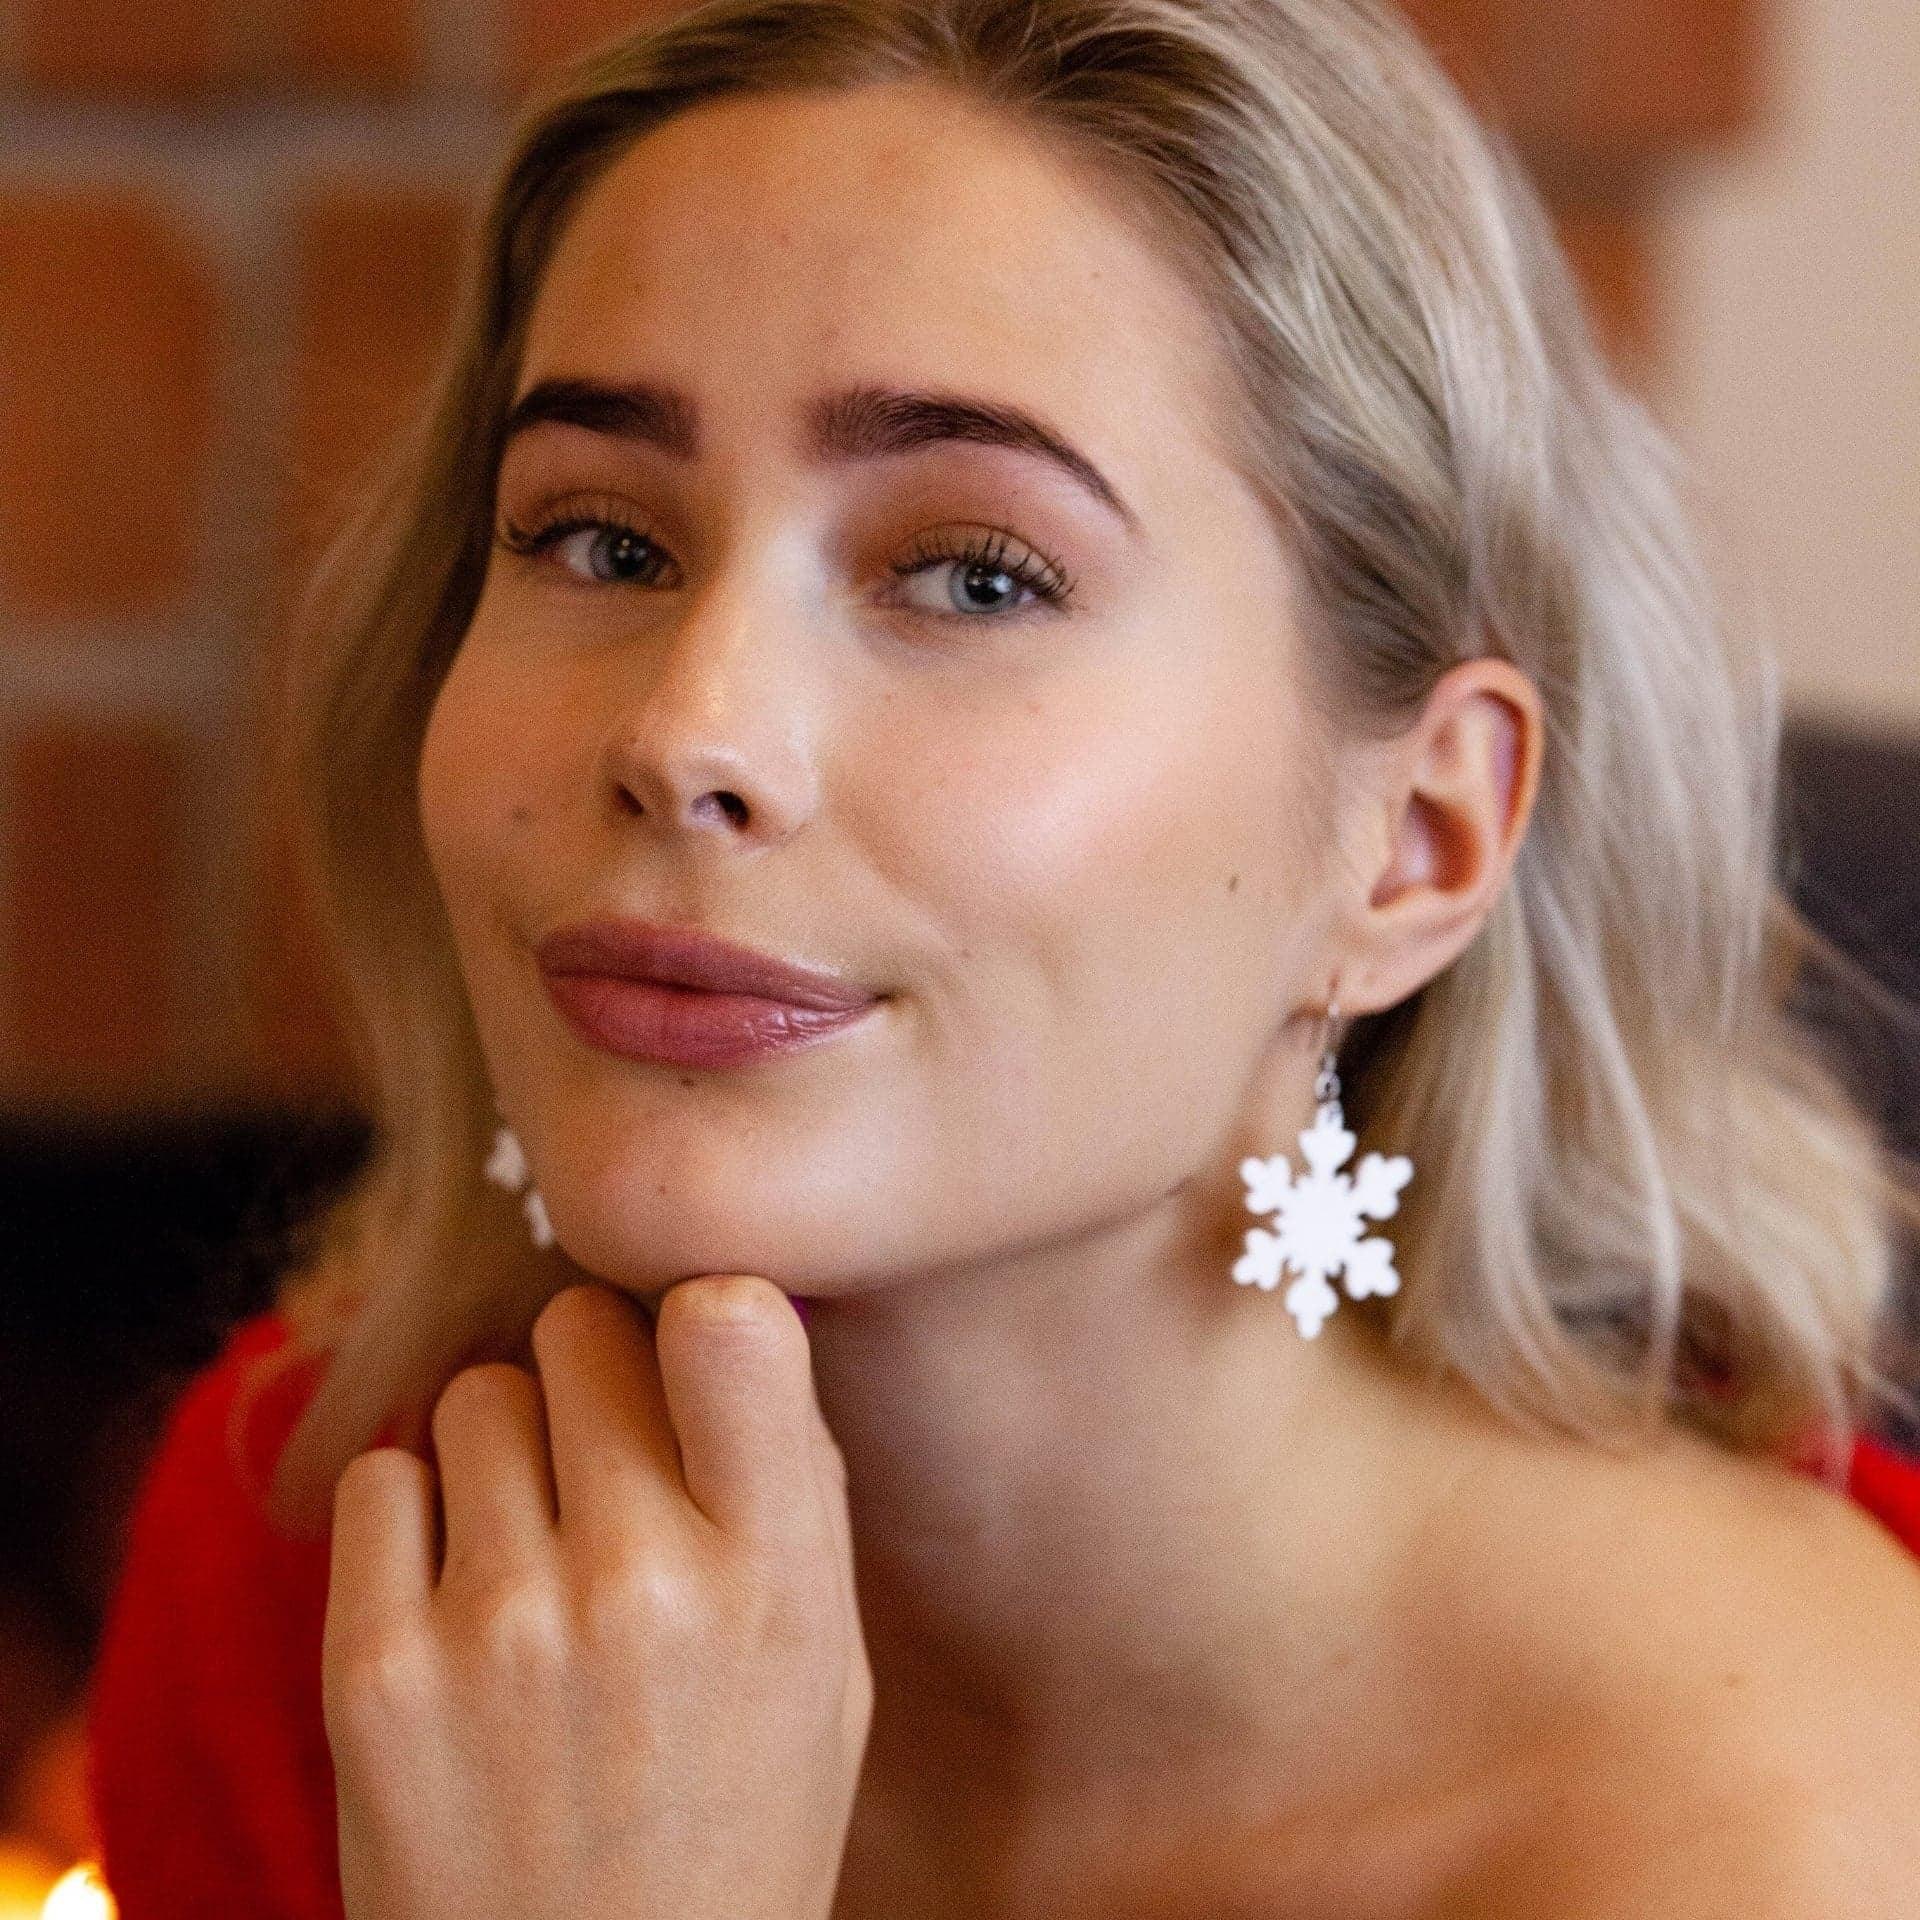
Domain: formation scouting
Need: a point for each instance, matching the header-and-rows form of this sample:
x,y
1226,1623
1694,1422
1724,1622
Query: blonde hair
x,y
1644,1193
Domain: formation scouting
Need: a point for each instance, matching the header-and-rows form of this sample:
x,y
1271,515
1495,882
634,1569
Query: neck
x,y
1113,1514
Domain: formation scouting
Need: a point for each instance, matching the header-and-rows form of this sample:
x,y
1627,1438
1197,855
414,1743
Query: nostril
x,y
730,804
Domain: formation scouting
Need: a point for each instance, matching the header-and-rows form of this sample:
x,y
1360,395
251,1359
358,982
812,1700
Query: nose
x,y
716,738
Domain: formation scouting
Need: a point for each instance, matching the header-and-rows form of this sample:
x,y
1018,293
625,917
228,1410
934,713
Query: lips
x,y
684,997
691,957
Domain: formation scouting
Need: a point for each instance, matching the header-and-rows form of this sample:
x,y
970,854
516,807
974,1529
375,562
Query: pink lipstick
x,y
685,997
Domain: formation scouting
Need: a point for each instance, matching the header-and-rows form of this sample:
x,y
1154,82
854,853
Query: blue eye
x,y
982,567
619,554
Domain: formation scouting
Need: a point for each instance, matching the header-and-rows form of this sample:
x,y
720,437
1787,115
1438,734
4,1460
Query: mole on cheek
x,y
521,815
1233,885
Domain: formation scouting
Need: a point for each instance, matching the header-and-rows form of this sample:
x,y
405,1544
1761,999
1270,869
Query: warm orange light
x,y
27,1875
34,1887
79,1894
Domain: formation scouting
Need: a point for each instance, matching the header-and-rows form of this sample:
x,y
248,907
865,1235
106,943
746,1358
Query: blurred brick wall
x,y
228,235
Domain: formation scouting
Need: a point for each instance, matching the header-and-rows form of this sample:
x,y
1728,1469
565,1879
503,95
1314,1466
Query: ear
x,y
1456,792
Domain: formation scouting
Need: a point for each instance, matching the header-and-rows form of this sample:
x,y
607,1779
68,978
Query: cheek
x,y
457,789
482,763
1119,853
1094,971
480,766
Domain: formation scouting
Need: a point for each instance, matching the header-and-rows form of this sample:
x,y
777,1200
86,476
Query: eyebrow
x,y
854,423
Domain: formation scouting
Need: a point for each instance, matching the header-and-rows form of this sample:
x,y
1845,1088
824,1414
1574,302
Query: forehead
x,y
757,250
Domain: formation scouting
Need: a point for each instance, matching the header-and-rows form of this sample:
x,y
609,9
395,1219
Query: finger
x,y
831,1464
737,1371
616,1463
496,1484
385,1543
831,1472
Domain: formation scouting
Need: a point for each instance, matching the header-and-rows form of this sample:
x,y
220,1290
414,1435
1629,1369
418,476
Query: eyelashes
x,y
986,552
989,552
532,542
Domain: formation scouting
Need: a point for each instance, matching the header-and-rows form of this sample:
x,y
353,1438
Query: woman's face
x,y
1076,848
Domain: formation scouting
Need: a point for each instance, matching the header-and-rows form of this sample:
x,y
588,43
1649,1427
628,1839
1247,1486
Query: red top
x,y
208,1773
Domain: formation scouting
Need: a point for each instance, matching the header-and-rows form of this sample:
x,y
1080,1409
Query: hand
x,y
649,1700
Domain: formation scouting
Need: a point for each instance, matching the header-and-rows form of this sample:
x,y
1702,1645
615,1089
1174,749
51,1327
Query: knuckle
x,y
570,1303
724,1300
474,1391
645,1598
513,1622
374,1688
483,1383
375,1475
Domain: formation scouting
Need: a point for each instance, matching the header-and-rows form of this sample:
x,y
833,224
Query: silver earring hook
x,y
1326,1085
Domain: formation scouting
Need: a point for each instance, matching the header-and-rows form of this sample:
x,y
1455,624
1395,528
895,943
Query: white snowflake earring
x,y
1318,1214
507,1167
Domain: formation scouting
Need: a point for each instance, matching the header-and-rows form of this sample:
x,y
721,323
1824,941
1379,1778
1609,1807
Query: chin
x,y
643,1227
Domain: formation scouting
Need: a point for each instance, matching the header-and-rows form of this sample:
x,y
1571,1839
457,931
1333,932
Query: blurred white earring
x,y
507,1167
1318,1213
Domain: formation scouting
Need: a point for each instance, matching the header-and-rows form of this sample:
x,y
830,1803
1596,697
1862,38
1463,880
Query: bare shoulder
x,y
1734,1678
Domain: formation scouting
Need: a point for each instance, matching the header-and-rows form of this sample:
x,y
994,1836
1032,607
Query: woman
x,y
1096,534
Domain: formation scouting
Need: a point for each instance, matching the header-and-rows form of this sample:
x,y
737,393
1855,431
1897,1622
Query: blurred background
x,y
228,235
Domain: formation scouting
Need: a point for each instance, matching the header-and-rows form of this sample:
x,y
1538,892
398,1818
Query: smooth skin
x,y
659,1520
1166,1610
